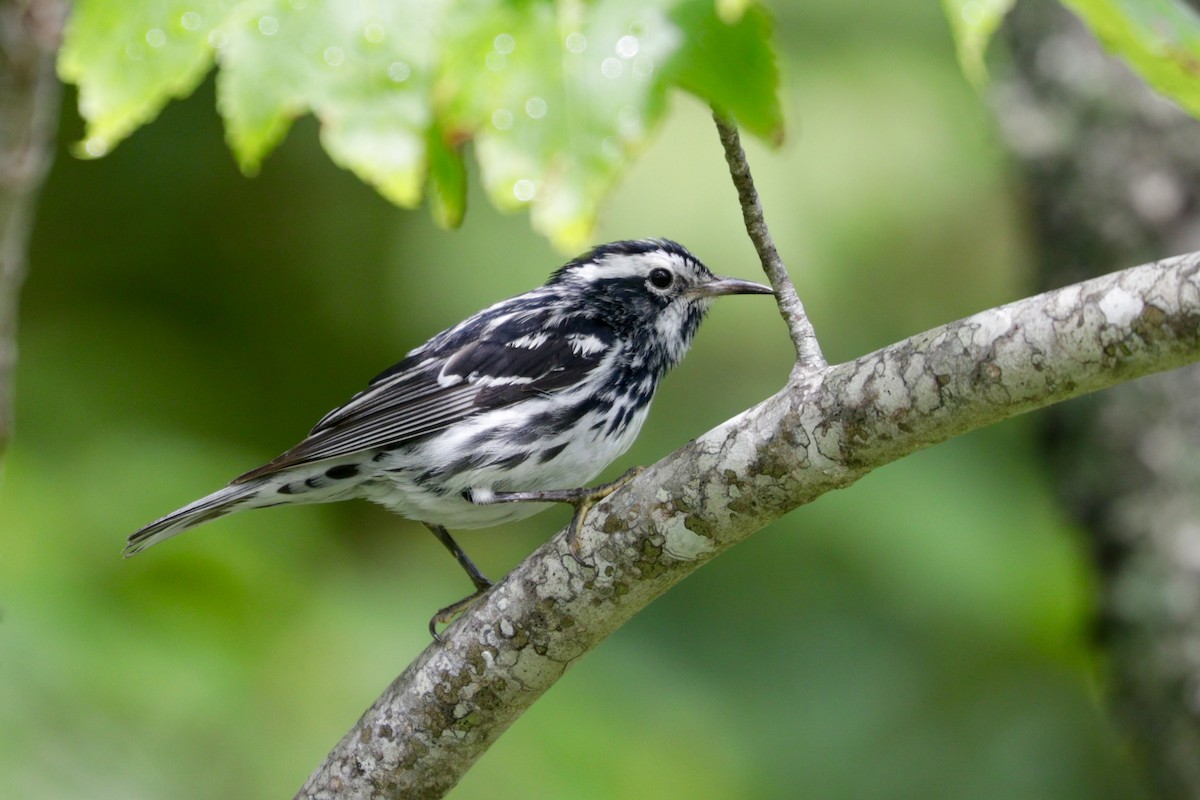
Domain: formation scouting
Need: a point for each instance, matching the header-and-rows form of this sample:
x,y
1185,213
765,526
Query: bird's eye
x,y
661,278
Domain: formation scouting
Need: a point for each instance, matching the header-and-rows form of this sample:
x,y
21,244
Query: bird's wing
x,y
430,391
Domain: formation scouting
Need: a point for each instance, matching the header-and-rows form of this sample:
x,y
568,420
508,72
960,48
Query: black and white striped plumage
x,y
540,391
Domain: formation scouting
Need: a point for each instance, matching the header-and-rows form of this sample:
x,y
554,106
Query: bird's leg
x,y
482,584
583,499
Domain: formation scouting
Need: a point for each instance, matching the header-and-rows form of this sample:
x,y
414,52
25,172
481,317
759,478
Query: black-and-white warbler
x,y
524,401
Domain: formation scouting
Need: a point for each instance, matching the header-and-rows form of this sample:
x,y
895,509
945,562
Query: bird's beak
x,y
720,286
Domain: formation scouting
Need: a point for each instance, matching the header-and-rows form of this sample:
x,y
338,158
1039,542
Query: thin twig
x,y
808,349
29,98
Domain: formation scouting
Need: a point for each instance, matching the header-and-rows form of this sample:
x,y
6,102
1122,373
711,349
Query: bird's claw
x,y
584,504
446,615
582,499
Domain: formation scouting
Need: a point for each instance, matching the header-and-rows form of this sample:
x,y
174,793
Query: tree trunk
x,y
1113,175
29,99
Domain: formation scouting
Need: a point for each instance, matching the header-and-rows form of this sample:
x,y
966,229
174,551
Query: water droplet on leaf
x,y
535,107
643,68
95,147
576,42
524,190
502,118
504,43
627,46
398,71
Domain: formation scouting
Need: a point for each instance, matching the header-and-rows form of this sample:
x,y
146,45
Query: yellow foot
x,y
585,502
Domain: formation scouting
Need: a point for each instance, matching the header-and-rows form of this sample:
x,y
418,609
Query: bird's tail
x,y
225,501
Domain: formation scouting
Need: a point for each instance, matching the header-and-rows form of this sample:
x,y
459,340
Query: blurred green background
x,y
922,634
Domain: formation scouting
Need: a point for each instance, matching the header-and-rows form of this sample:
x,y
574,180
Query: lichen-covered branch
x,y
29,97
824,430
808,350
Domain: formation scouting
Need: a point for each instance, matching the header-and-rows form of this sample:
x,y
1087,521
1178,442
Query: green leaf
x,y
732,10
363,68
130,58
447,178
1159,38
557,106
973,23
705,65
558,97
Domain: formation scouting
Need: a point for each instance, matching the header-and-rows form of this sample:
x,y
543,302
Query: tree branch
x,y
808,350
29,97
822,431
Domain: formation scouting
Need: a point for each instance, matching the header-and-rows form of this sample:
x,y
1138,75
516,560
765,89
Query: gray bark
x,y
826,428
29,98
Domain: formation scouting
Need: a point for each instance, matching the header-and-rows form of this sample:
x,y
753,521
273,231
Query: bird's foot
x,y
589,498
482,584
446,615
583,499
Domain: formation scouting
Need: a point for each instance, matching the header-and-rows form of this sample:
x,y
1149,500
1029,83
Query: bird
x,y
518,406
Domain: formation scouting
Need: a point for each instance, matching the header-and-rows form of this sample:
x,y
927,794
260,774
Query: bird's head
x,y
651,288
